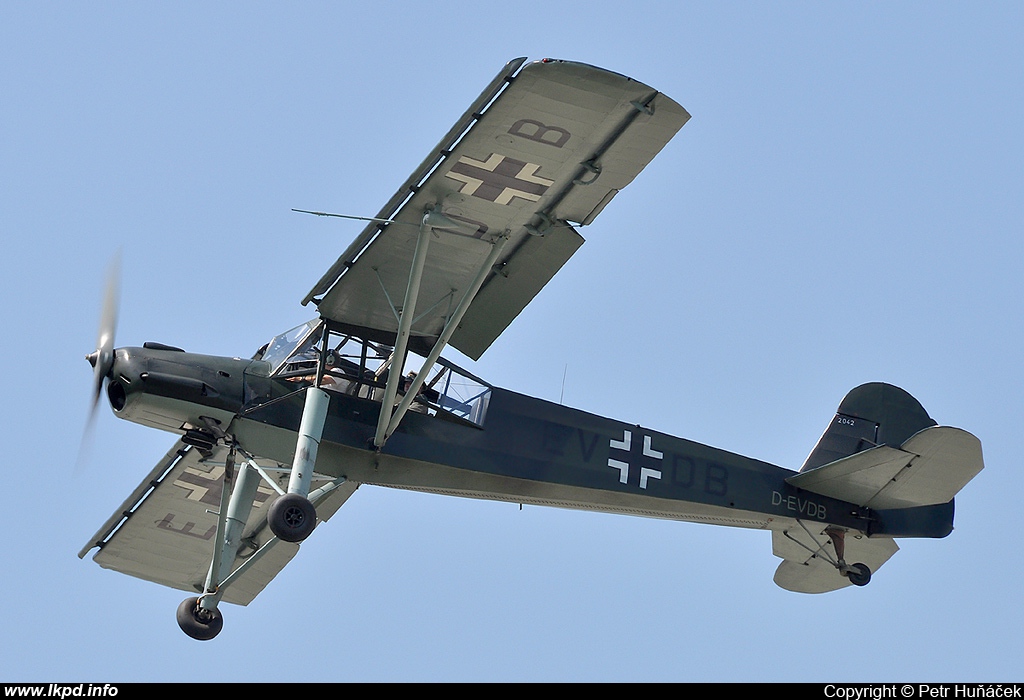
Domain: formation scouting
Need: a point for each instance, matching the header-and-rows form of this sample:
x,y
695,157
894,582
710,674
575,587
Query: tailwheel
x,y
292,517
199,623
859,574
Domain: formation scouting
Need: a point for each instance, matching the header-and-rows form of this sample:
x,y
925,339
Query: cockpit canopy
x,y
295,346
358,367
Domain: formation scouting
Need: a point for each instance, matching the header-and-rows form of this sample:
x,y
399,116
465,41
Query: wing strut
x,y
431,218
413,390
405,318
389,420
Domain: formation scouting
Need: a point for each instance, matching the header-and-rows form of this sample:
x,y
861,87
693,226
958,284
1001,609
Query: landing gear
x,y
292,517
859,574
197,622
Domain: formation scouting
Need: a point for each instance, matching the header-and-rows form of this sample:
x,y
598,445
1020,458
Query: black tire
x,y
859,575
198,623
292,517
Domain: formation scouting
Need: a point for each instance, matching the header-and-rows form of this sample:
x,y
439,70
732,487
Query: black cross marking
x,y
499,179
206,487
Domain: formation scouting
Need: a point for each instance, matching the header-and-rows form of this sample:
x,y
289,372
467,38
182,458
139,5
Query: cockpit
x,y
297,343
358,367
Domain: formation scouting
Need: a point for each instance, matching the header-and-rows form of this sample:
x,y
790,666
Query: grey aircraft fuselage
x,y
528,450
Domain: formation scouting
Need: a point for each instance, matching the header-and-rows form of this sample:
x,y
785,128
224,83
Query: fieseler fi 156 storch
x,y
271,446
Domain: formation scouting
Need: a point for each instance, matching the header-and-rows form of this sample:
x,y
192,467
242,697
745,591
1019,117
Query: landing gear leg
x,y
292,517
199,617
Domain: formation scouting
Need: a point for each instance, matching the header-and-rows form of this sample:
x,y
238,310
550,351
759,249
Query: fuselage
x,y
526,450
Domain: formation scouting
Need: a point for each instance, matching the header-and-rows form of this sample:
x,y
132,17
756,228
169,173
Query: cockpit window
x,y
360,368
294,347
459,393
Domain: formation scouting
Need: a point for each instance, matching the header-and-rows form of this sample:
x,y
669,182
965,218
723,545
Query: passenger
x,y
420,404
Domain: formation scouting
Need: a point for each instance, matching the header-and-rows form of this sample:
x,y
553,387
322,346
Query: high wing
x,y
545,144
165,531
470,238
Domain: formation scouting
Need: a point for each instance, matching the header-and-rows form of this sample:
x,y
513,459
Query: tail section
x,y
882,451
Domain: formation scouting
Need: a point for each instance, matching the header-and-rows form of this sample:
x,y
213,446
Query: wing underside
x,y
544,145
166,531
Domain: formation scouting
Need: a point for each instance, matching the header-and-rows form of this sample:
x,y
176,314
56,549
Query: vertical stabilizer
x,y
870,415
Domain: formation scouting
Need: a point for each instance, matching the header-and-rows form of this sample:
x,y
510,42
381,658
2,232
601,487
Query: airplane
x,y
271,446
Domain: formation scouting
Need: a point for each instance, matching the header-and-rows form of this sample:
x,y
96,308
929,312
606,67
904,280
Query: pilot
x,y
330,381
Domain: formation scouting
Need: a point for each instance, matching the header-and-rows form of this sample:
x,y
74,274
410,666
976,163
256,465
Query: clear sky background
x,y
845,206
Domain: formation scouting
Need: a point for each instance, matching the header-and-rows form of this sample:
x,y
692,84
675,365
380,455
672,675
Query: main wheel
x,y
292,517
197,622
859,575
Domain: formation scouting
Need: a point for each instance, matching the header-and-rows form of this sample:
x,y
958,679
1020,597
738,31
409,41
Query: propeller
x,y
102,358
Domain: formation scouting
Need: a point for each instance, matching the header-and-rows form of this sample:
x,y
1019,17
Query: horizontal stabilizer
x,y
928,469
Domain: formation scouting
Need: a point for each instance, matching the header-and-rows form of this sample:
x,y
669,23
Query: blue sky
x,y
845,206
